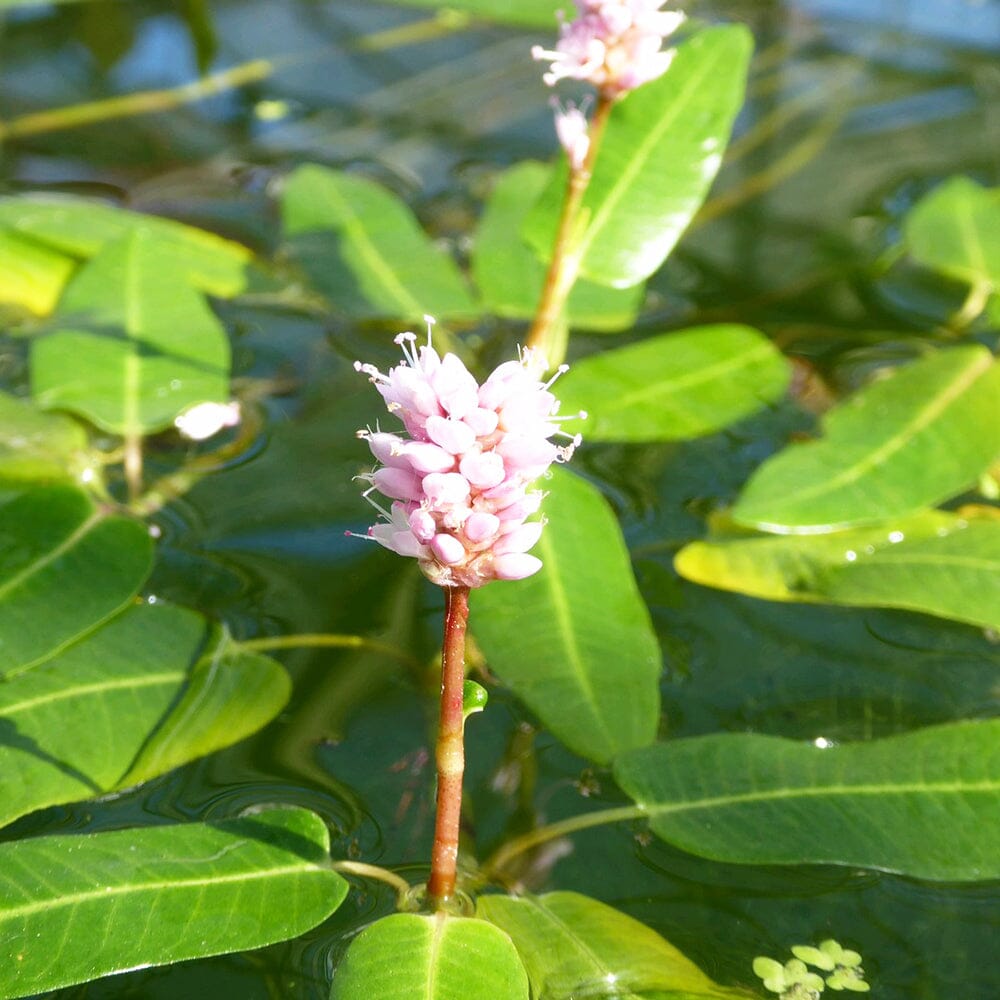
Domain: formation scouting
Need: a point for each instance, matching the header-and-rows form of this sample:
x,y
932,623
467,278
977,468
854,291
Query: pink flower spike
x,y
461,475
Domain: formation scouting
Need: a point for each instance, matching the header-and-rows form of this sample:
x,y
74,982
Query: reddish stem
x,y
450,748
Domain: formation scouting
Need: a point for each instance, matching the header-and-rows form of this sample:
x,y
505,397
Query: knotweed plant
x,y
459,479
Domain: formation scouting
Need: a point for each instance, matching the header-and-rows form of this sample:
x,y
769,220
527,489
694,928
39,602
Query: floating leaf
x,y
574,946
435,958
32,275
73,908
925,804
135,344
585,659
675,386
956,230
661,150
148,691
364,250
510,276
81,228
65,567
933,562
907,441
36,445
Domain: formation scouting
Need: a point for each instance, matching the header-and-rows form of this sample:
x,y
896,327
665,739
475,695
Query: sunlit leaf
x,y
926,804
574,946
510,275
151,689
675,386
432,957
134,343
36,445
909,440
575,641
956,230
365,251
80,228
32,275
533,13
65,566
933,562
73,908
661,151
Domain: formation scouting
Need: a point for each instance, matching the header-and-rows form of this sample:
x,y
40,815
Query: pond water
x,y
855,109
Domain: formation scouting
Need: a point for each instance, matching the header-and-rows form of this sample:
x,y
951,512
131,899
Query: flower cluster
x,y
459,480
614,44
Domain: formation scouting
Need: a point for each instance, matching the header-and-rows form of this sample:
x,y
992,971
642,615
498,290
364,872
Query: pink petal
x,y
515,566
399,484
520,539
455,436
480,526
448,549
425,457
445,489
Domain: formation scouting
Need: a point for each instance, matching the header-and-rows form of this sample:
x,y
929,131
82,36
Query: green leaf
x,y
675,386
81,228
925,804
938,563
150,690
661,150
65,567
573,946
365,251
135,344
909,440
532,13
574,641
36,445
510,276
432,957
956,230
32,275
73,908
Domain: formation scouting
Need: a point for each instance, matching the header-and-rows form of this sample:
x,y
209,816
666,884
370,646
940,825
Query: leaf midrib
x,y
80,691
779,794
64,901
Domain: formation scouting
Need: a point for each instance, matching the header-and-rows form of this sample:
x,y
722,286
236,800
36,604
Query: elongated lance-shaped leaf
x,y
575,641
925,804
938,563
365,251
153,688
574,946
135,344
78,228
661,151
432,957
904,442
65,567
956,230
510,275
73,908
675,386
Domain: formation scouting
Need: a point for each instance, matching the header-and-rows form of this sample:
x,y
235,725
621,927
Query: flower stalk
x,y
564,267
450,752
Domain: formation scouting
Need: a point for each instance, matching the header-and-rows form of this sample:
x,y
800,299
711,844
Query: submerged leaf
x,y
584,656
76,907
36,445
925,804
